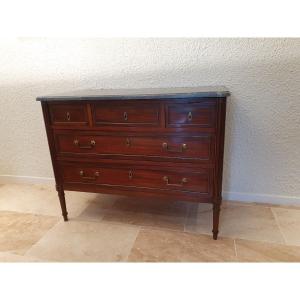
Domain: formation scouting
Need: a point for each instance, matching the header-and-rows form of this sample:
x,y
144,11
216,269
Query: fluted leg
x,y
216,216
62,200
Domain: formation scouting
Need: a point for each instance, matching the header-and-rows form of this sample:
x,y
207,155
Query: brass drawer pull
x,y
128,143
68,116
92,144
125,115
167,148
81,173
190,116
183,180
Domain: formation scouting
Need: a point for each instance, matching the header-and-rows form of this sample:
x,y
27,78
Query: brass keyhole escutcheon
x,y
68,116
128,143
190,116
125,115
130,174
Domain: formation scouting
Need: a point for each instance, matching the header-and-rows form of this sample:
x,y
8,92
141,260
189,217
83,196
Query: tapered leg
x,y
62,200
216,216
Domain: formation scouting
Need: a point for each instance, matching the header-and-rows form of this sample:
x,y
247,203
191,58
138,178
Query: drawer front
x,y
201,114
164,179
68,114
196,147
128,114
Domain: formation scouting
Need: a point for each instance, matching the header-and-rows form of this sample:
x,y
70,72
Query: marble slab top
x,y
145,93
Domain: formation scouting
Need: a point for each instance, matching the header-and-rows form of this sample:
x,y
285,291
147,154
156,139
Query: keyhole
x,y
130,174
190,116
128,142
125,116
68,116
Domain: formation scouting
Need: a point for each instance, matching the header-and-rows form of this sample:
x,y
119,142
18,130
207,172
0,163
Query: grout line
x,y
45,233
25,212
267,242
278,225
133,243
185,220
235,249
187,215
108,222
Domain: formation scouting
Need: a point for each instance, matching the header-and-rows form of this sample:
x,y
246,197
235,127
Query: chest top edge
x,y
139,94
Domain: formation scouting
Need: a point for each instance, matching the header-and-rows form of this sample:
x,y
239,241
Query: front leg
x,y
216,217
62,200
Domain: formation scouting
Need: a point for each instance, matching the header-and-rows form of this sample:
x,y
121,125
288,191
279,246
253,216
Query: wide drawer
x,y
131,113
199,147
198,181
198,114
68,114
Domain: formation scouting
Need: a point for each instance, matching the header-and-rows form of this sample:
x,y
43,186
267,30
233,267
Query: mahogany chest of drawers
x,y
141,142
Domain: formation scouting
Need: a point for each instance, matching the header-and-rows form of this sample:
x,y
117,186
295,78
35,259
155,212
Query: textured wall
x,y
262,153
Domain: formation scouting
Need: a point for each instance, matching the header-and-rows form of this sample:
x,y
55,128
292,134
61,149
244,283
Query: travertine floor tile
x,y
11,257
289,223
174,246
41,199
252,251
148,212
86,242
19,231
245,222
31,229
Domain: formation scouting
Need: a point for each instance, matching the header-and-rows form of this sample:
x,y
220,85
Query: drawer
x,y
68,114
199,147
126,114
201,114
138,177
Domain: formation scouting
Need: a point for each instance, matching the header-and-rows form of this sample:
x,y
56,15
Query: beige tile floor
x,y
105,228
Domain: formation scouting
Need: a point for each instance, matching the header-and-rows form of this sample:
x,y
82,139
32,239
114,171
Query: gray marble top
x,y
145,93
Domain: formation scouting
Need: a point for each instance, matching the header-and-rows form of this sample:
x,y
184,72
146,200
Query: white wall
x,y
262,153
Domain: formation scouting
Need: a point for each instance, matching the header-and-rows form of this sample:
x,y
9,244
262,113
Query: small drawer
x,y
126,114
129,176
201,114
68,114
194,147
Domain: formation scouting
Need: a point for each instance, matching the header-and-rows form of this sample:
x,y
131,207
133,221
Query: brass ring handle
x,y
167,148
81,173
183,180
92,144
125,115
68,116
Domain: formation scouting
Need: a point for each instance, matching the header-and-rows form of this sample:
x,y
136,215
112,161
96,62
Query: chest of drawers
x,y
141,142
